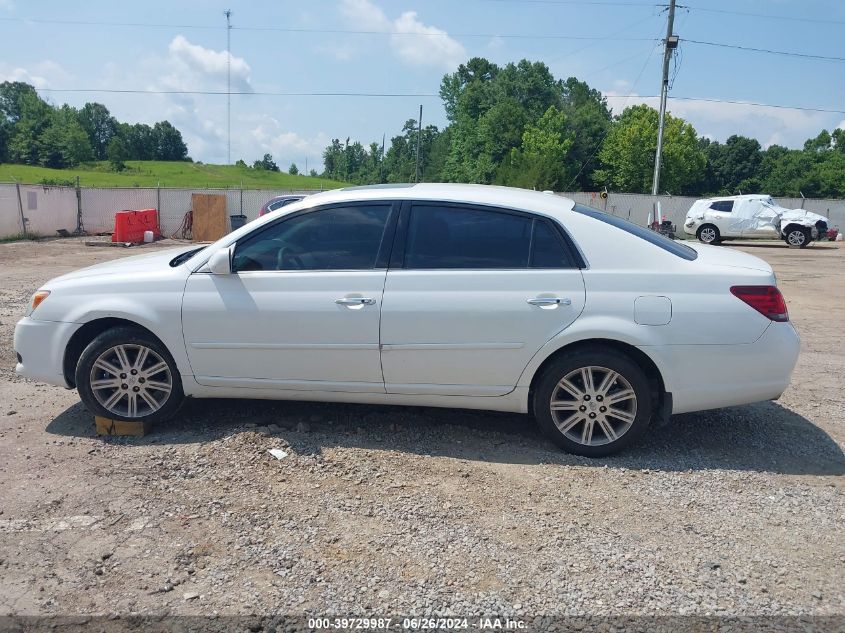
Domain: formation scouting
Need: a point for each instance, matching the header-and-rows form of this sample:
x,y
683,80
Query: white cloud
x,y
414,42
718,121
194,65
44,74
268,136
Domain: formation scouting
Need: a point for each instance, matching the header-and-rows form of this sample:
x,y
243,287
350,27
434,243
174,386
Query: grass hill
x,y
164,173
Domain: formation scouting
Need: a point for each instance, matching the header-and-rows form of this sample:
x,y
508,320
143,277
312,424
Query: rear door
x,y
471,294
721,213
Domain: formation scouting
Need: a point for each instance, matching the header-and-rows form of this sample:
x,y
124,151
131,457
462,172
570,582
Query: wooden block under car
x,y
107,426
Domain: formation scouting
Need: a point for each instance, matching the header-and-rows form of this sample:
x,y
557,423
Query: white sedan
x,y
429,295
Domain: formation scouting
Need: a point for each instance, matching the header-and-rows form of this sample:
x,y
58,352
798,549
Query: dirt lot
x,y
425,511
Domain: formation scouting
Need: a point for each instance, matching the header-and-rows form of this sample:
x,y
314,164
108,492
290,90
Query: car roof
x,y
747,196
488,195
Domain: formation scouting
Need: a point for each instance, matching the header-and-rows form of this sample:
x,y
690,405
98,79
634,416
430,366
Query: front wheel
x,y
127,374
593,402
798,237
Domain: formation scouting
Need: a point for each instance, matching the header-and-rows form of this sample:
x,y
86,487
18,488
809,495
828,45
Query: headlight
x,y
37,298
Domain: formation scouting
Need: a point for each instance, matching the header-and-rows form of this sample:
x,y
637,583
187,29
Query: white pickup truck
x,y
757,216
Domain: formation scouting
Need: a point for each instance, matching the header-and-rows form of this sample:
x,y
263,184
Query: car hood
x,y
800,215
722,256
126,266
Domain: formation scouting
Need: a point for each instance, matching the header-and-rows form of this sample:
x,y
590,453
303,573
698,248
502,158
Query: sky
x,y
403,47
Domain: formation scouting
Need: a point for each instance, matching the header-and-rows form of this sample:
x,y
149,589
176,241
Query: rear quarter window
x,y
652,237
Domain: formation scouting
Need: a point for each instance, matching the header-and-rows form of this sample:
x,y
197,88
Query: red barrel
x,y
129,226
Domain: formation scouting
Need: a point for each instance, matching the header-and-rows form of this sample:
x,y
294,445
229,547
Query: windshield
x,y
652,237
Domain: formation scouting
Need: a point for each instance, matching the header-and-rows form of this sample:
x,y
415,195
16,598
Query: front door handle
x,y
355,301
549,301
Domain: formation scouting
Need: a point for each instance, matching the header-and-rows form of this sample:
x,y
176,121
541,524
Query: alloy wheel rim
x,y
708,235
593,405
131,380
796,238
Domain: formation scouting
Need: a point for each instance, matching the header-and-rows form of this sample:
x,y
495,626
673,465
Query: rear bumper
x,y
714,376
40,347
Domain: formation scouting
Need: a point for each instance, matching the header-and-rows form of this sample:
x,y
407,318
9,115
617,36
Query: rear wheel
x,y
708,234
593,402
127,374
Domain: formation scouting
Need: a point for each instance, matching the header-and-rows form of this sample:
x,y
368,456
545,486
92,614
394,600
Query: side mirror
x,y
220,262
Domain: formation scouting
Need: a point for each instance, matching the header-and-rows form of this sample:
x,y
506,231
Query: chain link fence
x,y
44,210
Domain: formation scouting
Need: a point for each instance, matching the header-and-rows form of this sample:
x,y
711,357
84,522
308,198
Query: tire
x,y
108,386
705,232
579,413
798,236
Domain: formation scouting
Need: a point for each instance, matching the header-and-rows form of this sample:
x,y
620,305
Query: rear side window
x,y
283,203
726,206
652,237
456,237
338,238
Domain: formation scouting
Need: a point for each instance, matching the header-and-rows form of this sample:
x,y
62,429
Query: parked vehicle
x,y
462,296
712,220
277,202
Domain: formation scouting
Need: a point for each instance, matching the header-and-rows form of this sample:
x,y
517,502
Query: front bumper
x,y
40,348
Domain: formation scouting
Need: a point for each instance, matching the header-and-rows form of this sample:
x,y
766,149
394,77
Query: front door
x,y
301,308
476,294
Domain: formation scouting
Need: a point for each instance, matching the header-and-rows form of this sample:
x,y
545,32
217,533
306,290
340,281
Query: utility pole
x,y
419,135
228,14
669,45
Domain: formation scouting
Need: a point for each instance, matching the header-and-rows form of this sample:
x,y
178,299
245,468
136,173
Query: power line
x,y
790,18
245,93
756,104
648,5
418,95
531,36
767,50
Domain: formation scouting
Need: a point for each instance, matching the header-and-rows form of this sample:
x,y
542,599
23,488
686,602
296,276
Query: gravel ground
x,y
382,510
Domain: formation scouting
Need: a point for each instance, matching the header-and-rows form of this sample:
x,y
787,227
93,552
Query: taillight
x,y
767,300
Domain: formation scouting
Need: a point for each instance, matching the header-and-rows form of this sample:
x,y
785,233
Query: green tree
x,y
734,166
293,170
168,143
587,120
12,94
541,161
32,117
100,126
627,153
63,142
139,140
267,163
117,153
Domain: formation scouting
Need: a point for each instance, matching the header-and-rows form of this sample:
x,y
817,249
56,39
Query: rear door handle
x,y
549,301
355,301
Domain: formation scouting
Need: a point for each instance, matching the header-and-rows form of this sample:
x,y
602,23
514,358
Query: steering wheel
x,y
286,256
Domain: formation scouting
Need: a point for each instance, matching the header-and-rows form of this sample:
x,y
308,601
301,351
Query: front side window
x,y
339,238
458,237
